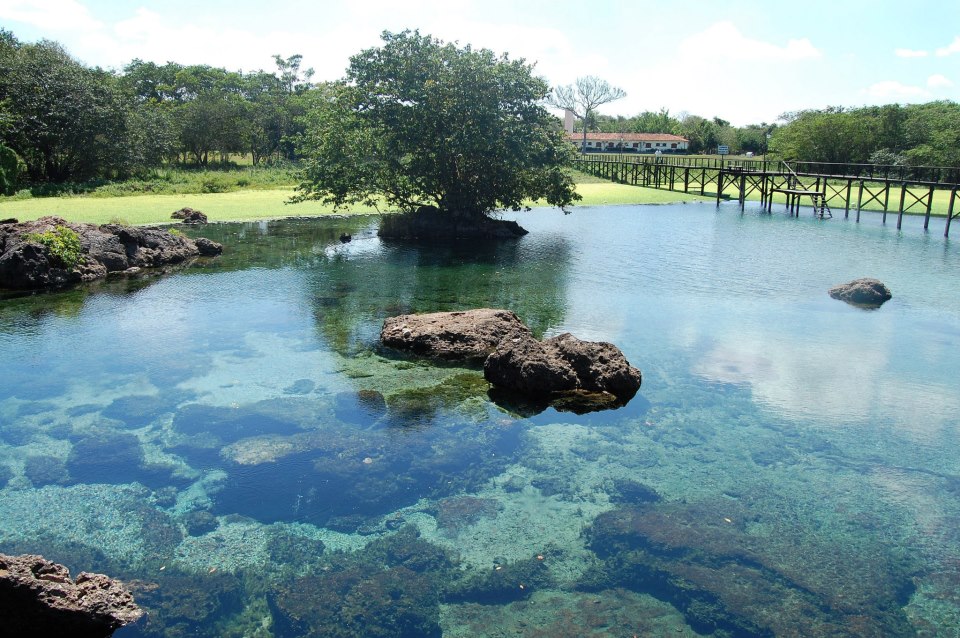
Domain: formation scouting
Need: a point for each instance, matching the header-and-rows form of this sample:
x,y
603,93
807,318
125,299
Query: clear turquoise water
x,y
230,438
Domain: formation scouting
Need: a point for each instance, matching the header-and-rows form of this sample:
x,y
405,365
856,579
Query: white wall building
x,y
630,142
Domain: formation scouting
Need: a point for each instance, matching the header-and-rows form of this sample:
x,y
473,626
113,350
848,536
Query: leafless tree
x,y
583,97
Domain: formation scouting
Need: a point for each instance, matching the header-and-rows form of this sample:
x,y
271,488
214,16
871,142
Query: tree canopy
x,y
918,134
417,122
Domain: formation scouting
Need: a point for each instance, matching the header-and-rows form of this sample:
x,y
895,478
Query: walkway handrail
x,y
921,174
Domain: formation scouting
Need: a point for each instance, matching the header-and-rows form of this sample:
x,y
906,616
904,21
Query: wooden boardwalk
x,y
826,186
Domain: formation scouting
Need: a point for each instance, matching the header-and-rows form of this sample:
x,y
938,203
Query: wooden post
x,y
903,194
953,198
926,218
859,200
846,210
743,190
886,195
719,185
686,179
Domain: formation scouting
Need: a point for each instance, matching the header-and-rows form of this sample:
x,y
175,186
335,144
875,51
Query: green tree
x,y
66,121
703,134
10,169
417,122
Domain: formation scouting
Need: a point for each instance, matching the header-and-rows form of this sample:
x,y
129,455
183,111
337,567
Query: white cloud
x,y
938,81
55,15
953,47
151,36
893,90
724,40
910,53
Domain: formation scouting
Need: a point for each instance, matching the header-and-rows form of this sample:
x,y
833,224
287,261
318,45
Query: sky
x,y
746,61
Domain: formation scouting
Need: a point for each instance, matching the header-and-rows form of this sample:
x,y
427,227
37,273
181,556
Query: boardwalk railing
x,y
827,184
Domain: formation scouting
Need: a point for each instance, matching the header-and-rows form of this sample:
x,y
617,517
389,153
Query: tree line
x,y
892,134
915,134
62,121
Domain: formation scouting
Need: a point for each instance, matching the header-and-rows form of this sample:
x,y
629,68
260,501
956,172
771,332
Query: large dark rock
x,y
208,247
38,598
561,365
27,264
866,292
428,222
189,216
469,335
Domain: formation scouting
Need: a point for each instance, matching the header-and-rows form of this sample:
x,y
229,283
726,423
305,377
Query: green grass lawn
x,y
262,204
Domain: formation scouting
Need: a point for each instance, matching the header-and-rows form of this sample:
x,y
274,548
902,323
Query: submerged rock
x,y
468,336
26,263
708,560
38,598
865,292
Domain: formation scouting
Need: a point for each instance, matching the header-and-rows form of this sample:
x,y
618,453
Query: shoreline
x,y
270,204
261,204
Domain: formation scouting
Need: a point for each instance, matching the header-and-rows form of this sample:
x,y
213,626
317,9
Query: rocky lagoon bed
x,y
232,441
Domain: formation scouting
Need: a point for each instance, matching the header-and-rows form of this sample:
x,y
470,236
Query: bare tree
x,y
583,97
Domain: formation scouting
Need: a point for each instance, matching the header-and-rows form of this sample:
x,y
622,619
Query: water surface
x,y
231,439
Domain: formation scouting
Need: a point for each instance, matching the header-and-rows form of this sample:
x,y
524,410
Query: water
x,y
231,440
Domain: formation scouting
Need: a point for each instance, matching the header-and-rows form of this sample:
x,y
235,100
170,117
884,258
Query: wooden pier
x,y
826,186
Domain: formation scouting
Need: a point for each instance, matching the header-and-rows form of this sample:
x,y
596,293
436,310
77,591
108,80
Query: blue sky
x,y
745,61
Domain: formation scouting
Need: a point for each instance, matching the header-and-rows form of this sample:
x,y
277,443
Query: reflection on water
x,y
232,440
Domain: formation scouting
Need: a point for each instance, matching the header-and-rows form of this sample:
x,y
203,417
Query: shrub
x,y
63,243
215,185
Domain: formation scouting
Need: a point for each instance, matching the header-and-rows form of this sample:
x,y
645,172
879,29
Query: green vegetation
x,y
266,204
63,243
10,169
170,181
156,209
419,123
916,134
72,124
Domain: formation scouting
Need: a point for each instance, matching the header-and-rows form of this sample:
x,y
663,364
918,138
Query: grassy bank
x,y
250,204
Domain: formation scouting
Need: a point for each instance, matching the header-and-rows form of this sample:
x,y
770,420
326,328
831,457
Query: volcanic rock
x,y
208,247
561,365
189,216
26,264
468,336
865,292
38,598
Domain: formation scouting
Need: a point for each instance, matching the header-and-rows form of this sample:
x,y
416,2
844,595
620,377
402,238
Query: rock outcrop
x,y
428,222
38,598
570,374
561,365
468,336
26,263
865,292
207,247
189,216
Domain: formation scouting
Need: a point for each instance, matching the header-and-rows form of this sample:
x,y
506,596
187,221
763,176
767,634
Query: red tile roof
x,y
628,137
